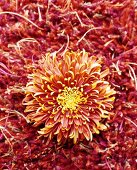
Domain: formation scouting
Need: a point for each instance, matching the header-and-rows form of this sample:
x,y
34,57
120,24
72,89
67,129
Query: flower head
x,y
69,97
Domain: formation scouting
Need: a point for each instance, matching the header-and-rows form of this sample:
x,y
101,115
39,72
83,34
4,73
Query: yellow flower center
x,y
69,98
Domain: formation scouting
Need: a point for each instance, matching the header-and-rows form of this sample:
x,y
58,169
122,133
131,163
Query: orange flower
x,y
69,97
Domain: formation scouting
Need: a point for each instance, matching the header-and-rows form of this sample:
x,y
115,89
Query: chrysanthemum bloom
x,y
69,97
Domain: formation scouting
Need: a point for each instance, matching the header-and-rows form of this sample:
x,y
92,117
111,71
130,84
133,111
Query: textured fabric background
x,y
30,29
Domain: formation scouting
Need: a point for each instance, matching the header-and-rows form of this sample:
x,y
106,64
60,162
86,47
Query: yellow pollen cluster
x,y
69,99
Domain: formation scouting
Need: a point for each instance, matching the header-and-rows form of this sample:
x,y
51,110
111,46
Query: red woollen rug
x,y
68,85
